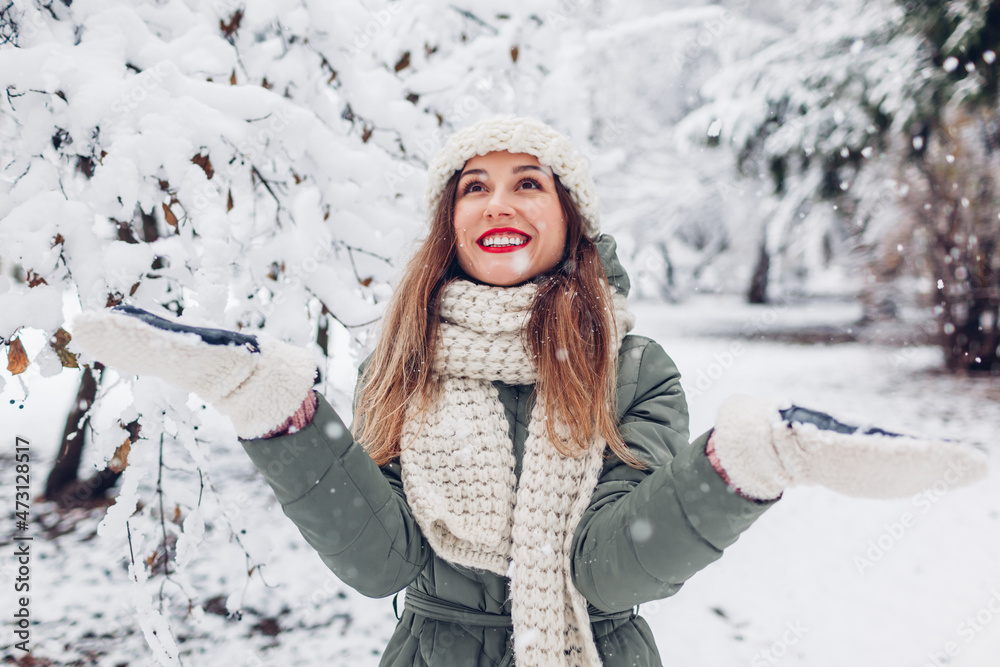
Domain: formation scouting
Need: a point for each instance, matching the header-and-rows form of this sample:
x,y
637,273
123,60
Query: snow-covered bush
x,y
841,112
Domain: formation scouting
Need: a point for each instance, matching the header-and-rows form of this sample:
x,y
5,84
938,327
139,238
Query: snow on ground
x,y
820,580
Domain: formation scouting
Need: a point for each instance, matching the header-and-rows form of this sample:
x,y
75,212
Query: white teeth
x,y
503,241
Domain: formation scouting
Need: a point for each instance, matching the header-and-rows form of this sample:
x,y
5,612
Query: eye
x,y
530,184
473,186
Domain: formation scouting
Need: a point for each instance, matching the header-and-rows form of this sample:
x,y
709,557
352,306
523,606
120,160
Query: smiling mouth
x,y
506,239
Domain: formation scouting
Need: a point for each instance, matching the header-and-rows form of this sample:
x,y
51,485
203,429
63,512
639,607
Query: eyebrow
x,y
516,170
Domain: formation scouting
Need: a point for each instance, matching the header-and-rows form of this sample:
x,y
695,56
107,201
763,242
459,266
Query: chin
x,y
500,279
509,282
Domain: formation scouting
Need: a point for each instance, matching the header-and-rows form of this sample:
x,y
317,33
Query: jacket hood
x,y
607,249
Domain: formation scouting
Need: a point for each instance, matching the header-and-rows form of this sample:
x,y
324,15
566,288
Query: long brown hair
x,y
570,333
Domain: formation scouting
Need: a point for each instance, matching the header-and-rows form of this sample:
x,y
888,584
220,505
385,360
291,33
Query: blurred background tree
x,y
886,114
953,170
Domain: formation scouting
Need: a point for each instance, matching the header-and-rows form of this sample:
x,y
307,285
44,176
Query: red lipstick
x,y
501,231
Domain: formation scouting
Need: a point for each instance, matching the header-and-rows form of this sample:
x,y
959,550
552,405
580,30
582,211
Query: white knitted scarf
x,y
458,474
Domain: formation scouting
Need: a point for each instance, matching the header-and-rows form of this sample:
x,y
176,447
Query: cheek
x,y
464,221
557,232
461,230
465,212
558,250
463,245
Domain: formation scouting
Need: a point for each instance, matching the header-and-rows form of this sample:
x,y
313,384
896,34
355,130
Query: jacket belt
x,y
422,604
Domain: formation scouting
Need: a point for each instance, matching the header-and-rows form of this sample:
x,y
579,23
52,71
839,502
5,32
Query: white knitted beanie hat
x,y
516,134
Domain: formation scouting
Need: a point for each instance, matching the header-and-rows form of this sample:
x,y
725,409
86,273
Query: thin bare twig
x,y
331,314
267,184
351,248
472,17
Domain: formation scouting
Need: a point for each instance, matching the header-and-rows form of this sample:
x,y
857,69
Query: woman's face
x,y
509,225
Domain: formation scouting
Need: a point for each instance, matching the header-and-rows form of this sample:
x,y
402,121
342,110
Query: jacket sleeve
x,y
647,531
347,508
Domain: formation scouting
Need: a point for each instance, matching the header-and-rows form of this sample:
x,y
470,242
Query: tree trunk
x,y
956,215
758,282
65,468
63,486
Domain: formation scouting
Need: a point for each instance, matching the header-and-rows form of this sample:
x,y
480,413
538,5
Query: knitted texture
x,y
516,135
458,474
298,420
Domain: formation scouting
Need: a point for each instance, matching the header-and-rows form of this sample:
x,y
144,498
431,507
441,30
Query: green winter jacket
x,y
644,534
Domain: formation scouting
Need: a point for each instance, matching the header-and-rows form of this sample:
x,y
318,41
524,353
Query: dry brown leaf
x,y
232,78
403,62
120,460
230,28
58,342
513,53
229,201
205,164
276,270
169,216
34,280
17,359
177,515
85,165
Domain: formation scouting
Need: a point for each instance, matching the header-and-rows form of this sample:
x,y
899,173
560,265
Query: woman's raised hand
x,y
765,446
257,381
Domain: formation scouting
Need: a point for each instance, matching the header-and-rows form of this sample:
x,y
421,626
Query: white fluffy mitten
x,y
257,381
765,445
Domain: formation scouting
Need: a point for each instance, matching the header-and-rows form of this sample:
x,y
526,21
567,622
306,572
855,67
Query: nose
x,y
498,206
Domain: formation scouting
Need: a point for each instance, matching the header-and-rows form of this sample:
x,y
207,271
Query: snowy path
x,y
820,580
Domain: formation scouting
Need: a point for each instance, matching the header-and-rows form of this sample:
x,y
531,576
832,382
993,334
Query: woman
x,y
519,464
